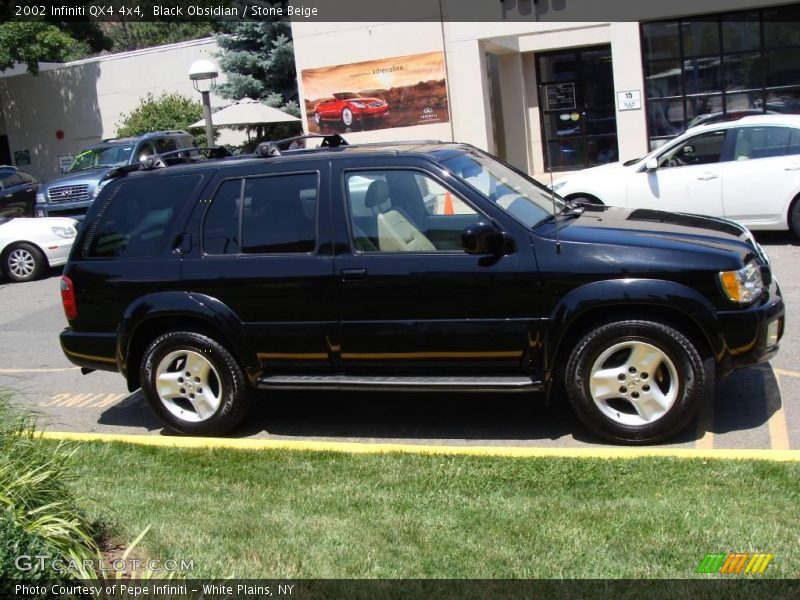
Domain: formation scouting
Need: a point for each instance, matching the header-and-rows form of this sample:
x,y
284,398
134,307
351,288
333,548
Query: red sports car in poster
x,y
348,108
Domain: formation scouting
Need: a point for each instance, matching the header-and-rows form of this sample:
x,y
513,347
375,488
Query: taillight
x,y
68,298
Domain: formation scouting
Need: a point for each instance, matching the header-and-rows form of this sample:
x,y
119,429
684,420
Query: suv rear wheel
x,y
194,384
636,382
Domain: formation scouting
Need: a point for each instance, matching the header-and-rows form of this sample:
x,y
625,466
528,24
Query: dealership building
x,y
550,90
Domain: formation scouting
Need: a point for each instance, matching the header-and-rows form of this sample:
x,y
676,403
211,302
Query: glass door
x,y
576,94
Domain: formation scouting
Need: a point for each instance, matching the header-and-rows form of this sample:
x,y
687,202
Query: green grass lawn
x,y
287,514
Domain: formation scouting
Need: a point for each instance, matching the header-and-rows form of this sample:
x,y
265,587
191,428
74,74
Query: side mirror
x,y
651,164
484,238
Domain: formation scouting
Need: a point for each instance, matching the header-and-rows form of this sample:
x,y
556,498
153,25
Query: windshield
x,y
523,198
108,156
346,96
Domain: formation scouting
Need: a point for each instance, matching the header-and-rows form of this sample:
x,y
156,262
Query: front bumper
x,y
73,210
752,335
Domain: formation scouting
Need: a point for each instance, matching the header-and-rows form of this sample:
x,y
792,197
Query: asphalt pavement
x,y
753,408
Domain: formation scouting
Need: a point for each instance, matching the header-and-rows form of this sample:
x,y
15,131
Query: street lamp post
x,y
203,74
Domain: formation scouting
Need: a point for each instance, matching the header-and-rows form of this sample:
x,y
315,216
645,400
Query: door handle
x,y
707,177
792,168
353,274
8,195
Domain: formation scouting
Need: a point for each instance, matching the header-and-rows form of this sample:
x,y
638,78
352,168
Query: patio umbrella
x,y
246,112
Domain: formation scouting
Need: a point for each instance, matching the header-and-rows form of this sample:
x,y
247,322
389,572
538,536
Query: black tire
x,y
794,217
683,375
23,262
231,385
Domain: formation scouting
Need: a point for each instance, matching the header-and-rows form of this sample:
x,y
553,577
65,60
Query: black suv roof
x,y
435,149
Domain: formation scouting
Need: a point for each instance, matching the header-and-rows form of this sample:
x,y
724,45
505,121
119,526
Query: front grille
x,y
68,193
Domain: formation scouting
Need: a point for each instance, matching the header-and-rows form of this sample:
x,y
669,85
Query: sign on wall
x,y
64,162
631,100
376,94
560,96
22,157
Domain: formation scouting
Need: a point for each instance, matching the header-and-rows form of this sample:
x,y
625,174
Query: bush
x,y
38,512
171,111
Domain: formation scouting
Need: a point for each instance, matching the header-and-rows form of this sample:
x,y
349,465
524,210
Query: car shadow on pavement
x,y
409,416
776,238
744,400
131,411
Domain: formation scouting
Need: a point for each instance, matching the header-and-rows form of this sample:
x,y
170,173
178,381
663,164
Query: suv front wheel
x,y
194,384
636,382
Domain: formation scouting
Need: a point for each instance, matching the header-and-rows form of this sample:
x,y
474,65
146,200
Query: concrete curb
x,y
378,448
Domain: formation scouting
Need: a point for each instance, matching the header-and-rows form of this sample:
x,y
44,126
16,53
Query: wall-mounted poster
x,y
377,94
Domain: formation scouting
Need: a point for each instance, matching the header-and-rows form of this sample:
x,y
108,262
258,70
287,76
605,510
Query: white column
x,y
626,54
469,94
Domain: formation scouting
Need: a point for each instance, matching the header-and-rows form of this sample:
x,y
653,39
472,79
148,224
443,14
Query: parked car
x,y
348,108
72,194
721,117
28,246
746,170
17,192
203,283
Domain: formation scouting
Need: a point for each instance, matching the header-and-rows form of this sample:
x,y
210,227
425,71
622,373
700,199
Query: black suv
x,y
424,266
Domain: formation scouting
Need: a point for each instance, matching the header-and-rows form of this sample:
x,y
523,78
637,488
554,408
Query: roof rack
x,y
271,148
156,161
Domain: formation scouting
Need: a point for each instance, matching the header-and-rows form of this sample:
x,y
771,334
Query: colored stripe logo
x,y
734,563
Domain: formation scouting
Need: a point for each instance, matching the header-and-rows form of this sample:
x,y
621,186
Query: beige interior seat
x,y
396,233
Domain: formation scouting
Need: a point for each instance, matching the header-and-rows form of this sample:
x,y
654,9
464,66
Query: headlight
x,y
743,286
359,104
99,188
64,232
559,184
40,198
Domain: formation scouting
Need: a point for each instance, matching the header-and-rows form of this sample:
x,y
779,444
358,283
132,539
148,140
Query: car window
x,y
165,145
145,150
10,179
109,156
702,149
761,142
221,222
279,213
137,216
405,211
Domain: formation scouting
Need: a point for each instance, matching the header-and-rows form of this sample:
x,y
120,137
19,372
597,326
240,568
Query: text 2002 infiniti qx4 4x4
x,y
421,266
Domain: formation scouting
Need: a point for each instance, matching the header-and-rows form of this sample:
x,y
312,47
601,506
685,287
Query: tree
x,y
258,60
32,42
132,35
171,111
48,39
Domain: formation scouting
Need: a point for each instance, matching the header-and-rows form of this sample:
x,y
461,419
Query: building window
x,y
577,107
707,69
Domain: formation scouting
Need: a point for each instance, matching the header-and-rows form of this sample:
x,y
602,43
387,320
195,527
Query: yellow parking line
x,y
43,370
705,423
786,372
368,448
778,432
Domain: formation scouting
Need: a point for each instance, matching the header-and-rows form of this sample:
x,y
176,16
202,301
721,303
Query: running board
x,y
489,383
